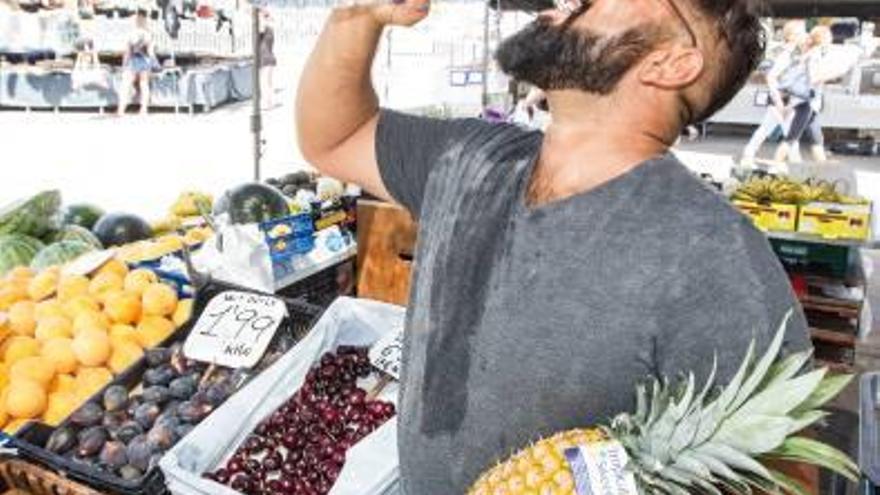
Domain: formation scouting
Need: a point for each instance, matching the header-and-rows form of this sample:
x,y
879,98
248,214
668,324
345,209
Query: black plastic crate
x,y
324,287
32,438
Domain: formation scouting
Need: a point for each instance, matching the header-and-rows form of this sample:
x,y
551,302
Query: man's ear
x,y
672,68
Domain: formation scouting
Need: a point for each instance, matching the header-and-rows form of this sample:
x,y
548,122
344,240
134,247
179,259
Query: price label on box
x,y
385,355
235,329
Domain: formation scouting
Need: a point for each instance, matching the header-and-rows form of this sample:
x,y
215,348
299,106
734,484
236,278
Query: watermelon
x,y
116,229
17,250
76,233
254,203
36,216
82,214
60,253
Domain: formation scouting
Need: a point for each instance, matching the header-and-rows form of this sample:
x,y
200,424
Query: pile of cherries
x,y
300,448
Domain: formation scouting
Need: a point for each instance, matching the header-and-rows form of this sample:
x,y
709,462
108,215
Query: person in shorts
x,y
138,63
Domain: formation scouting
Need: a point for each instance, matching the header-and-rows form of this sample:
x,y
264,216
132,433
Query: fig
x,y
157,357
162,435
217,393
91,441
113,455
127,431
133,403
146,414
192,412
159,376
62,440
157,394
90,414
183,388
139,452
129,472
115,398
113,420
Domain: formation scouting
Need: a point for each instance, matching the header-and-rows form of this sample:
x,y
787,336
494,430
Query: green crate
x,y
814,258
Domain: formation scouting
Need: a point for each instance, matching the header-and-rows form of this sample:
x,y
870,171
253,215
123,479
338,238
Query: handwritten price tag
x,y
385,355
235,329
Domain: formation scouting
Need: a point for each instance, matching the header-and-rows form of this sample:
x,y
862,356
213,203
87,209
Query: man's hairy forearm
x,y
336,95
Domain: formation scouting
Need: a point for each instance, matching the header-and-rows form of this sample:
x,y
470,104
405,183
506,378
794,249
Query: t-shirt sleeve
x,y
409,148
733,290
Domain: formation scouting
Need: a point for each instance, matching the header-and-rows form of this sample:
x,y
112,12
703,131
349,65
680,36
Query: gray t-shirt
x,y
526,321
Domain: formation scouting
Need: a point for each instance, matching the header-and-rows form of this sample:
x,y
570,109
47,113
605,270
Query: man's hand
x,y
401,12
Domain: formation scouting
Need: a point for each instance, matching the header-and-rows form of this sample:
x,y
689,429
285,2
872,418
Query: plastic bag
x,y
371,466
238,254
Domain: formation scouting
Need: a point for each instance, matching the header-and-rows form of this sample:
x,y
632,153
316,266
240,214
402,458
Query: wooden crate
x,y
36,480
386,244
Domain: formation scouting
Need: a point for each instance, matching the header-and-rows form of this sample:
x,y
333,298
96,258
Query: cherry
x,y
234,466
275,486
252,466
221,476
242,483
288,468
272,462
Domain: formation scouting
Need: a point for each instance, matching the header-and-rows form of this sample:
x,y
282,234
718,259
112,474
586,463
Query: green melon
x,y
60,253
36,216
17,250
77,233
82,214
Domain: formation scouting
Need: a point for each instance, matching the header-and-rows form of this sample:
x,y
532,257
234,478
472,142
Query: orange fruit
x,y
63,382
125,353
138,280
14,425
183,312
21,318
59,351
20,273
77,304
90,321
105,281
114,266
123,333
59,406
72,285
24,399
92,348
159,300
49,307
35,368
10,293
91,380
43,284
152,330
122,307
52,327
20,347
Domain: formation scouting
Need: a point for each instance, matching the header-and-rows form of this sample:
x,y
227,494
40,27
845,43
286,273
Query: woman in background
x,y
267,58
137,63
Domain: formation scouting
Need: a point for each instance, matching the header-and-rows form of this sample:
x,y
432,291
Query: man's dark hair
x,y
743,38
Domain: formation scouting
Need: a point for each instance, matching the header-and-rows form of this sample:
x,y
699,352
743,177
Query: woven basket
x,y
37,480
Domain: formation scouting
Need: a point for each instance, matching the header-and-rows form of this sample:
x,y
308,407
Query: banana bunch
x,y
771,190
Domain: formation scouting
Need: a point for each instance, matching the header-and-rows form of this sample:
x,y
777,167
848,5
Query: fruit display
x,y
254,203
17,250
124,432
192,204
163,245
36,216
82,215
66,336
685,440
72,232
60,253
116,229
301,447
773,189
292,183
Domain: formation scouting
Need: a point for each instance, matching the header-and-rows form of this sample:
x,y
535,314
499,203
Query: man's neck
x,y
586,146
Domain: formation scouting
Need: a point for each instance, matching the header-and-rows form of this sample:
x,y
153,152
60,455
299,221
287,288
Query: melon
x,y
60,253
36,216
83,215
254,203
17,250
116,229
77,233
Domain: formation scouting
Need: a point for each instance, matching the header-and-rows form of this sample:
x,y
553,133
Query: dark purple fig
x,y
162,435
146,414
191,412
159,376
182,388
115,398
157,357
91,441
113,420
90,414
139,452
62,440
157,394
217,393
127,431
113,455
133,403
129,472
183,429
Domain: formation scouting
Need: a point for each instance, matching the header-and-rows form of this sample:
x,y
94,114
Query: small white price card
x,y
385,355
235,329
89,262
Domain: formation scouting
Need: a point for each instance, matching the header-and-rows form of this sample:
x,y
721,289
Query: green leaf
x,y
755,434
814,452
733,458
641,403
693,465
782,398
805,420
763,365
786,368
792,486
717,467
828,389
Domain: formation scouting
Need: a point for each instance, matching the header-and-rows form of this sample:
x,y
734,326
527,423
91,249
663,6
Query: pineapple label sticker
x,y
235,329
385,354
600,469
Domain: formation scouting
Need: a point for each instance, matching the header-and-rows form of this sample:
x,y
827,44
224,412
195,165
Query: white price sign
x,y
235,329
89,262
385,355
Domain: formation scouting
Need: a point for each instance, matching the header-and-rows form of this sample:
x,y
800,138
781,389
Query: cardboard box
x,y
835,221
775,217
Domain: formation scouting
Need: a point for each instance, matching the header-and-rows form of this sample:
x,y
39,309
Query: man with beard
x,y
554,270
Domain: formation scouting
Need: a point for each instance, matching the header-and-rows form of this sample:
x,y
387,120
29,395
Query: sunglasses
x,y
578,7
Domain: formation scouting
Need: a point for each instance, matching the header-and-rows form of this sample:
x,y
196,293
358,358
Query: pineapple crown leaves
x,y
684,441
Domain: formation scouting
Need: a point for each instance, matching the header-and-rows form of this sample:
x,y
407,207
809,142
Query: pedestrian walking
x,y
138,63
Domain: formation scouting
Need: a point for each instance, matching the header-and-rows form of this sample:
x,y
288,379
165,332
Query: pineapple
x,y
683,441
